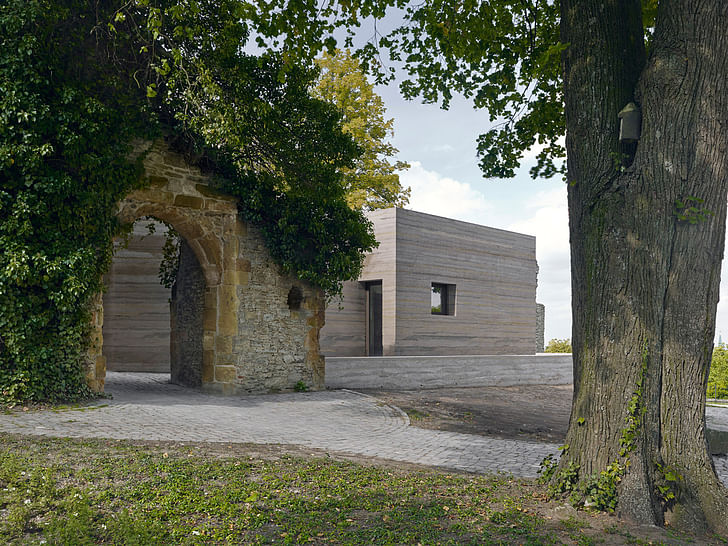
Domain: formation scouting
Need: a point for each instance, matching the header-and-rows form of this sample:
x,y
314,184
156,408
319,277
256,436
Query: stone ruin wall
x,y
540,326
252,340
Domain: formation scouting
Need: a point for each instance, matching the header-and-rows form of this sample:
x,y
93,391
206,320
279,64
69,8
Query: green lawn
x,y
111,492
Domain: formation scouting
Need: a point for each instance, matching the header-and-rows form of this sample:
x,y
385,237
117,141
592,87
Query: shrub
x,y
558,346
718,378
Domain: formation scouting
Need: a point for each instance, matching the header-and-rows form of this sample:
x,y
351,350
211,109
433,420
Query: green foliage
x,y
718,378
558,346
547,468
667,483
65,135
600,492
255,125
504,56
373,182
79,83
169,265
120,493
565,481
689,210
300,386
635,408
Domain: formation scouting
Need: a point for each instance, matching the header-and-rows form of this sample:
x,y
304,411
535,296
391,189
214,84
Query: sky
x,y
446,180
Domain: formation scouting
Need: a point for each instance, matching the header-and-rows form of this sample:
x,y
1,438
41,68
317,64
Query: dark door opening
x,y
374,318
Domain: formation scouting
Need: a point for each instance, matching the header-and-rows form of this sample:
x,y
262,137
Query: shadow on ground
x,y
524,412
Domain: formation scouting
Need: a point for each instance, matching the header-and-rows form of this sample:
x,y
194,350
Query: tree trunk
x,y
646,270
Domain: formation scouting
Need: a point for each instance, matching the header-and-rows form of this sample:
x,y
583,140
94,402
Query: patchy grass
x,y
80,492
415,414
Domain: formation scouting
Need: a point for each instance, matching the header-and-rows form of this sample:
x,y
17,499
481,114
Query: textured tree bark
x,y
646,272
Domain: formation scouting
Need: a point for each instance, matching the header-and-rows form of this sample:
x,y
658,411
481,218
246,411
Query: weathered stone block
x,y
225,374
175,160
217,205
249,340
190,229
157,181
189,201
100,371
209,191
209,319
230,253
241,228
212,249
232,277
227,323
224,344
208,366
227,296
208,340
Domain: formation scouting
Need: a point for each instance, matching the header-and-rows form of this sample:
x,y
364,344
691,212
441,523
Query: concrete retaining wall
x,y
426,372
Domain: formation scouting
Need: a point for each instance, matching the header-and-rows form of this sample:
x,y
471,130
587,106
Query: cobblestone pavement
x,y
147,407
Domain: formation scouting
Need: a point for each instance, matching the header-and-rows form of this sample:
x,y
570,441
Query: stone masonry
x,y
255,337
540,326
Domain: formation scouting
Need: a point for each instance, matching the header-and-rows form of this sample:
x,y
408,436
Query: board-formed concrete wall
x,y
252,340
428,372
494,273
136,305
345,331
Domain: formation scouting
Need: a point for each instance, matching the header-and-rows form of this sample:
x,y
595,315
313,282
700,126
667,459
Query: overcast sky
x,y
445,180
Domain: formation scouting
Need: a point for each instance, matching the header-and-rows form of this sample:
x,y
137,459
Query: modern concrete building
x,y
437,286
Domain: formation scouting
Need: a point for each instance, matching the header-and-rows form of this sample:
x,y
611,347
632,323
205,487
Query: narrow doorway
x,y
374,318
136,305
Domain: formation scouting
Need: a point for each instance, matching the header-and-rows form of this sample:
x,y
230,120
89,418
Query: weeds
x,y
112,492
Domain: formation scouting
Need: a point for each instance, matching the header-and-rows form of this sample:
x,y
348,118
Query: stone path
x,y
146,407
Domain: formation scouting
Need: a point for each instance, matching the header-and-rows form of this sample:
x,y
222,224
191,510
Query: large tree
x,y
647,237
373,181
647,218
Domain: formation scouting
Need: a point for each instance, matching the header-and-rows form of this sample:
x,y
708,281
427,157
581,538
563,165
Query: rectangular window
x,y
442,299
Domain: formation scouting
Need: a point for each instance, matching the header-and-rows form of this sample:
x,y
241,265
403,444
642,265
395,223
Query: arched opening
x,y
154,305
235,325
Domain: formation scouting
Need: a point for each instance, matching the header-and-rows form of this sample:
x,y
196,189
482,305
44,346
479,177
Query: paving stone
x,y
147,407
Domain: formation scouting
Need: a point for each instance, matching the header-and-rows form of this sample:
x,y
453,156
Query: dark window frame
x,y
447,298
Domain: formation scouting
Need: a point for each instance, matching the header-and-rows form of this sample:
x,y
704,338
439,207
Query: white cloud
x,y
549,223
436,194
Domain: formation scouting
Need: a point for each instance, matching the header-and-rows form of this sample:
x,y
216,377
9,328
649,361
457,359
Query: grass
x,y
55,491
415,414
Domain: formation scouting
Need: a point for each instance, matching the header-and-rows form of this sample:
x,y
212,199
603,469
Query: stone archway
x,y
253,339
